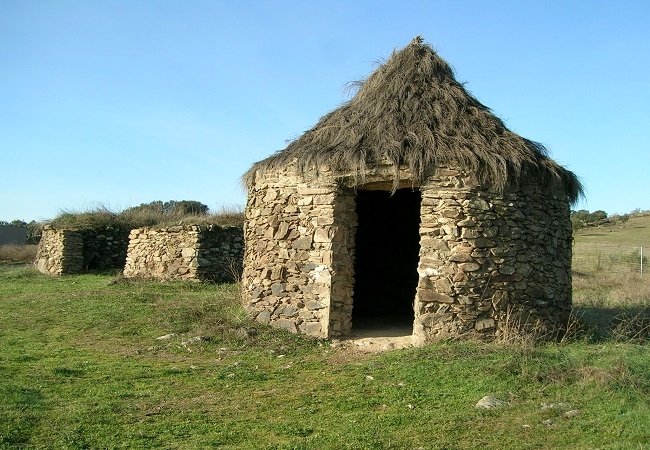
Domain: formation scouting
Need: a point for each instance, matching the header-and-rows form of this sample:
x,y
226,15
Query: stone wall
x,y
67,251
60,252
492,264
291,243
185,253
488,262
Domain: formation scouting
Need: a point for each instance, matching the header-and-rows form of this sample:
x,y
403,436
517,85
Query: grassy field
x,y
96,362
609,292
634,232
83,366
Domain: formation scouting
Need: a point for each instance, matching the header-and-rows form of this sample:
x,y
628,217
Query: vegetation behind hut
x,y
156,213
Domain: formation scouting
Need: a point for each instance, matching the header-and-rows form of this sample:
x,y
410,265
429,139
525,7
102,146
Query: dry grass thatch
x,y
411,112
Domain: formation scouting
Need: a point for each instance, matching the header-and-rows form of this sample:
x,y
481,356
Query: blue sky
x,y
118,103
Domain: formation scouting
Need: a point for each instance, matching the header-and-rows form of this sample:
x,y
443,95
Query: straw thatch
x,y
411,112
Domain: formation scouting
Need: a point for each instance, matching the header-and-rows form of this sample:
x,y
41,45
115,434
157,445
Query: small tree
x,y
185,208
598,215
34,232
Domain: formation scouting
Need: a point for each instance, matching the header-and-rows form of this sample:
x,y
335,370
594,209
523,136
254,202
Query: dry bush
x,y
518,327
576,328
97,218
235,269
18,253
232,215
632,325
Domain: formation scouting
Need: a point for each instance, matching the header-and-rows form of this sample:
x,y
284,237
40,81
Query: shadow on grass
x,y
618,323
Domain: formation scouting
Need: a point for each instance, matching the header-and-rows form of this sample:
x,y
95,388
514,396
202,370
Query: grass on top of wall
x,y
102,217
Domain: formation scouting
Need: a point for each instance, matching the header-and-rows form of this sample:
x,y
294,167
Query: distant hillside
x,y
633,232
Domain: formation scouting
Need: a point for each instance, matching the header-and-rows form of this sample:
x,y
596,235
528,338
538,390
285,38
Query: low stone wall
x,y
189,252
67,251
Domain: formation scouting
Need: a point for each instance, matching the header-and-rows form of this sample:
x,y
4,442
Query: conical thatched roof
x,y
413,113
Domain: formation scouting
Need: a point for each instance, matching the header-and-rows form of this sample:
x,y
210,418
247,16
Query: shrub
x,y
156,213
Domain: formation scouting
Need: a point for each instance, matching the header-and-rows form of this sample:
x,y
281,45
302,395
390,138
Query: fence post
x,y
641,261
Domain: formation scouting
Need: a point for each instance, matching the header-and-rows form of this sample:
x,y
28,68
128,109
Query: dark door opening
x,y
387,249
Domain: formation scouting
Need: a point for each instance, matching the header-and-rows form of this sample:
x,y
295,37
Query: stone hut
x,y
410,205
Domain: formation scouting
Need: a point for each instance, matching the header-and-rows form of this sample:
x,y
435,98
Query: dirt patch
x,y
377,341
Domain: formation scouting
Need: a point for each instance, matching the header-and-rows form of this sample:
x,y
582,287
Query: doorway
x,y
387,247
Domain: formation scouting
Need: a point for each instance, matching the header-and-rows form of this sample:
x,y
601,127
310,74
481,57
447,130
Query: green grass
x,y
613,247
80,367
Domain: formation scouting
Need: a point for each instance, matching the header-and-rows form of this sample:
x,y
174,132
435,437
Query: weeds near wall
x,y
576,329
516,327
234,269
633,326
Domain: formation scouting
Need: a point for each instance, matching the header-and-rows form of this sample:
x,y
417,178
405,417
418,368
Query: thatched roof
x,y
413,113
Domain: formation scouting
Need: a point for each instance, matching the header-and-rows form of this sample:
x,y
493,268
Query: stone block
x,y
303,243
484,324
287,324
430,296
314,305
469,266
264,316
278,289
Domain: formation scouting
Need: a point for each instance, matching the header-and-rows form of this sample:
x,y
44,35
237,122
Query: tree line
x,y
583,218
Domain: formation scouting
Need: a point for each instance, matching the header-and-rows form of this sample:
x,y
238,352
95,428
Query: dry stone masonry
x,y
492,264
72,251
175,253
292,240
60,252
191,252
489,263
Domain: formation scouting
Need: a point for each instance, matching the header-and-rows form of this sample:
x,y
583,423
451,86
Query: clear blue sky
x,y
118,103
